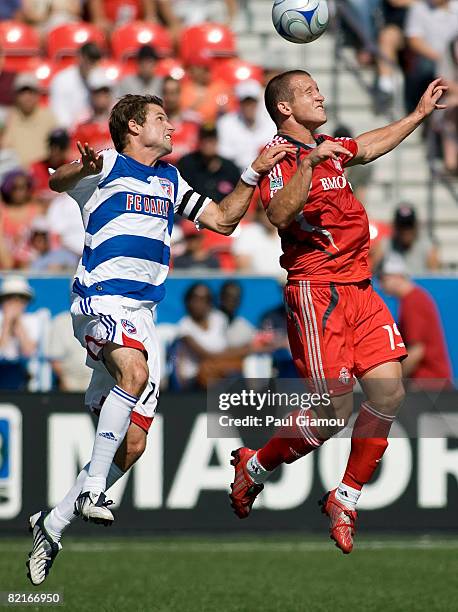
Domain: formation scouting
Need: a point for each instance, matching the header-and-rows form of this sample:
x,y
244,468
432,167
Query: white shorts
x,y
103,319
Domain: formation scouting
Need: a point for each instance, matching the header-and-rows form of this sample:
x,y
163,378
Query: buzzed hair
x,y
279,88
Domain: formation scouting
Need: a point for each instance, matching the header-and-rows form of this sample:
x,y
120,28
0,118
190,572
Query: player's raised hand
x,y
271,156
430,99
91,161
326,150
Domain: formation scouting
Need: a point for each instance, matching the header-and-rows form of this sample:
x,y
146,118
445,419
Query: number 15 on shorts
x,y
393,334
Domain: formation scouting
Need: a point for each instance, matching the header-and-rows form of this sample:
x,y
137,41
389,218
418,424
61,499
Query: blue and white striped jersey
x,y
128,211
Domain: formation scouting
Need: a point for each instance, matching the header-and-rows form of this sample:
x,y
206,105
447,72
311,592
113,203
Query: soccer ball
x,y
300,21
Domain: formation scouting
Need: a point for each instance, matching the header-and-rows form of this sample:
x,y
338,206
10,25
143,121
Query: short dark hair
x,y
189,294
129,107
90,51
278,89
147,52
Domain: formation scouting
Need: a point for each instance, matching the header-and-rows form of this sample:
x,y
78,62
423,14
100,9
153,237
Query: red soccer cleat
x,y
342,526
244,489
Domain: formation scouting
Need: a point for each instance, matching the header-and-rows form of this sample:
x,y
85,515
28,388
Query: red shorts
x,y
338,332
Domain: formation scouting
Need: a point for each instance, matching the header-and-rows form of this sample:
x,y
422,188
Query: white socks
x,y
113,423
348,496
258,473
62,515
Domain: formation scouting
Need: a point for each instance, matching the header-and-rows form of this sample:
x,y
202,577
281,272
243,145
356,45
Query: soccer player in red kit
x,y
339,329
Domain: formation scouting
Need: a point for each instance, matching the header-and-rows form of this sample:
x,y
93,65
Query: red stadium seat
x,y
44,70
127,39
64,41
232,70
170,67
208,40
20,44
113,69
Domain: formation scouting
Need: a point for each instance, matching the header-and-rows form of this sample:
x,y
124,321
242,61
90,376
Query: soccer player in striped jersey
x,y
128,199
339,329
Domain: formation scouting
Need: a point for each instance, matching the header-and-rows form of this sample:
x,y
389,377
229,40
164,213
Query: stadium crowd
x,y
421,38
63,63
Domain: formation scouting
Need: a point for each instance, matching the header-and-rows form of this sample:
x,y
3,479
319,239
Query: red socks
x,y
368,443
290,442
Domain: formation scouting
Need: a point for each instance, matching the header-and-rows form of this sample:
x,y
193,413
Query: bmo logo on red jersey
x,y
334,182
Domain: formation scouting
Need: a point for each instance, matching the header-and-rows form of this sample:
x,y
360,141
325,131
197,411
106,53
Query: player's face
x,y
308,103
157,130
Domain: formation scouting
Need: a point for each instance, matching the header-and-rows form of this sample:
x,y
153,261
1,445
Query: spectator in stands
x,y
359,176
195,256
206,171
186,134
95,129
6,83
48,14
391,42
202,94
431,26
427,363
9,9
17,213
144,81
57,155
67,356
202,333
8,157
447,123
274,325
64,217
28,123
178,13
257,247
109,13
203,353
69,94
242,134
19,332
417,249
363,14
44,257
239,331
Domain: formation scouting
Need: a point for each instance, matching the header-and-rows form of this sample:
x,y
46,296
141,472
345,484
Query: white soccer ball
x,y
300,21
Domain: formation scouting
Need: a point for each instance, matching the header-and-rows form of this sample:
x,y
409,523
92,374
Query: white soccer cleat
x,y
93,507
44,550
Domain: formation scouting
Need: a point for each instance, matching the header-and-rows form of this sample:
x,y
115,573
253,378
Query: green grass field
x,y
284,574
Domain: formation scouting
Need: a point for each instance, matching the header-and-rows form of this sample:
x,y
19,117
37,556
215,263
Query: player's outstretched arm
x,y
376,143
289,201
68,176
224,217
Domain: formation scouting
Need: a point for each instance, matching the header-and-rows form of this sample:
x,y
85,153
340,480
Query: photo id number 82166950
x,y
27,598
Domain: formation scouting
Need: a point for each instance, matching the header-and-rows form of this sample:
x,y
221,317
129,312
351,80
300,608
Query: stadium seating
x,y
232,70
20,44
170,66
64,41
206,41
127,39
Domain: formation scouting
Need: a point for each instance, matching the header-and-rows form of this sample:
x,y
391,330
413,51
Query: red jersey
x,y
329,240
419,322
